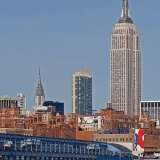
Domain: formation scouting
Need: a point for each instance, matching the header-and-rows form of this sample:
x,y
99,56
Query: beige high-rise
x,y
125,65
82,92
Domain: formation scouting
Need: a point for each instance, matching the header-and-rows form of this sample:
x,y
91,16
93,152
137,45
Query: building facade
x,y
22,103
151,108
82,92
108,121
7,102
125,65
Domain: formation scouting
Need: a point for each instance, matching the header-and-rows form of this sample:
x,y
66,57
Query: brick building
x,y
39,124
108,125
11,118
108,121
12,122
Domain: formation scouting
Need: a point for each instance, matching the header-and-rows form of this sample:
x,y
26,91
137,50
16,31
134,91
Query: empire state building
x,y
125,65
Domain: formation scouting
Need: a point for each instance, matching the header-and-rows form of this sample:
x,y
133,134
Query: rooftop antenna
x,y
39,72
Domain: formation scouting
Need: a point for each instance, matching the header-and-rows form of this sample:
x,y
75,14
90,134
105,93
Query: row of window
x,y
114,139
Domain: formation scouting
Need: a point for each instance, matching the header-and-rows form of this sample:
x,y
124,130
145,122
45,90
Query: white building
x,y
22,103
125,65
128,141
151,108
7,102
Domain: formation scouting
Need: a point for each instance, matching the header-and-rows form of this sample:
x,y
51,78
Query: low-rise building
x,y
151,108
7,102
108,121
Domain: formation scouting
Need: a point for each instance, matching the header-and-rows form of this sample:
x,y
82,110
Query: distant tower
x,y
39,95
125,65
22,103
82,92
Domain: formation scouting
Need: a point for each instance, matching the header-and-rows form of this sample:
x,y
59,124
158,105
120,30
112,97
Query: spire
x,y
39,72
39,89
125,15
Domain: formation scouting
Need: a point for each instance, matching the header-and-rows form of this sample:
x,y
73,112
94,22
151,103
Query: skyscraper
x,y
82,92
125,65
22,103
39,95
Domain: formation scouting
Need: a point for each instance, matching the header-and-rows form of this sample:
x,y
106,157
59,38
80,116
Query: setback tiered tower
x,y
125,65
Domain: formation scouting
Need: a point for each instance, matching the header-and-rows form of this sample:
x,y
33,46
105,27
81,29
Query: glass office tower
x,y
82,92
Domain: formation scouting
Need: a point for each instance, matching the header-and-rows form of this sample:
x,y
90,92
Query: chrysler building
x,y
125,65
39,95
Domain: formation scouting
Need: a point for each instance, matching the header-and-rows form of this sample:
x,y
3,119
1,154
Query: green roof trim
x,y
6,97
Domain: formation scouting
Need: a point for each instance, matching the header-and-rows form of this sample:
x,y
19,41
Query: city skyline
x,y
57,36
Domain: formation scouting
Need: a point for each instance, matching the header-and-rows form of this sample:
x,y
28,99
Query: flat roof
x,y
149,101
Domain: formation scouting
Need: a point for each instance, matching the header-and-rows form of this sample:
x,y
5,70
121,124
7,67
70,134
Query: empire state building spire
x,y
125,15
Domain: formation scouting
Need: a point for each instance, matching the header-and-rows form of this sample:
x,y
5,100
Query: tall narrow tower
x,y
82,92
125,65
39,95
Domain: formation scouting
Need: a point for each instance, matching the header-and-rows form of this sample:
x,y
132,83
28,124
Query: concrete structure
x,y
31,147
20,131
82,92
127,140
151,142
22,103
7,102
39,95
151,108
125,65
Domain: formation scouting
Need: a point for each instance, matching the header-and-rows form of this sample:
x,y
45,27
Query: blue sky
x,y
65,36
